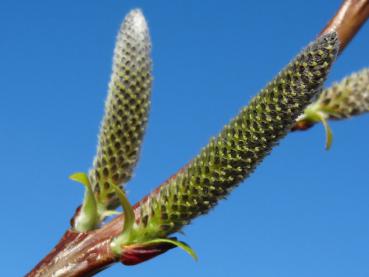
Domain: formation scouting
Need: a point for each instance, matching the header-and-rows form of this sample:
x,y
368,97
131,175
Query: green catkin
x,y
126,110
233,155
347,98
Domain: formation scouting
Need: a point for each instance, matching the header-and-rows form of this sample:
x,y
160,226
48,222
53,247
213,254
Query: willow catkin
x,y
126,110
231,156
347,98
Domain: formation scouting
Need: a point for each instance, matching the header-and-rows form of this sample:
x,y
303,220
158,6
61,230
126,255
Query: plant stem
x,y
348,20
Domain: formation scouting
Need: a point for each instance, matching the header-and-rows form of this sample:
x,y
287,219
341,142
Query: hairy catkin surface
x,y
126,110
231,156
346,98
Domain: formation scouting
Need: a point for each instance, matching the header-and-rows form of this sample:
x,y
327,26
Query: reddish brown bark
x,y
85,254
348,20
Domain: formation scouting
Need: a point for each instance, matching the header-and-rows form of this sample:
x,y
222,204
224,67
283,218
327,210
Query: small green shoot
x,y
328,130
314,113
129,215
185,247
88,218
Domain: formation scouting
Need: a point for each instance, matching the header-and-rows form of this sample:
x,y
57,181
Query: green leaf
x,y
185,247
80,177
88,218
328,130
129,215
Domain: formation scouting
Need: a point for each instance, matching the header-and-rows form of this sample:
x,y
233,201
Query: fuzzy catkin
x,y
231,156
347,98
126,110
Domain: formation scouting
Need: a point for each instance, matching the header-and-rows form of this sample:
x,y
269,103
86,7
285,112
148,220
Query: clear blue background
x,y
303,213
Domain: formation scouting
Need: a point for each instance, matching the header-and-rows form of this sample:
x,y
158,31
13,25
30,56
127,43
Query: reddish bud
x,y
138,253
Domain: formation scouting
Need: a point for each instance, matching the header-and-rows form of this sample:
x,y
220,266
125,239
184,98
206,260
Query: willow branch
x,y
85,254
348,20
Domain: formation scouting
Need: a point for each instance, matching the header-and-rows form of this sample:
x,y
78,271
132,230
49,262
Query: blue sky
x,y
304,212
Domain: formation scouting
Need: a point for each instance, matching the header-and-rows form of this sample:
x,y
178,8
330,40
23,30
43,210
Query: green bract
x,y
88,217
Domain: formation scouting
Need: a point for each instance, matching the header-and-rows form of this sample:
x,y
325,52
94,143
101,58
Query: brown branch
x,y
348,20
85,254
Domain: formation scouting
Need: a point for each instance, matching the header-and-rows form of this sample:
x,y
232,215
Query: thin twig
x,y
348,20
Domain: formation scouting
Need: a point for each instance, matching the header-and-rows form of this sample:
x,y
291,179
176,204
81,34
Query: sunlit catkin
x,y
126,110
232,155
